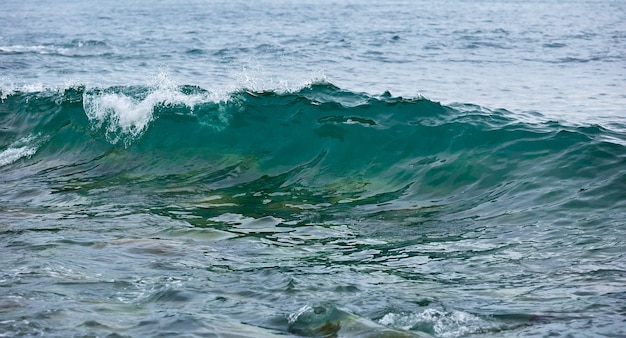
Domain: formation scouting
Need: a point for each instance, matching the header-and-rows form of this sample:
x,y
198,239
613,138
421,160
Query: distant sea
x,y
313,168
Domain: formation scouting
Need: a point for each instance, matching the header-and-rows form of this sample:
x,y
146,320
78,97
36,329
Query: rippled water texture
x,y
254,170
308,213
565,58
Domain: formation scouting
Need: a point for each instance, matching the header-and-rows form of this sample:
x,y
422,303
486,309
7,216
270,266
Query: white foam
x,y
7,89
445,324
67,50
21,148
27,49
126,116
293,317
256,78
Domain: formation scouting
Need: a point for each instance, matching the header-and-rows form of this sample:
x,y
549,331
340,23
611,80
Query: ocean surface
x,y
313,168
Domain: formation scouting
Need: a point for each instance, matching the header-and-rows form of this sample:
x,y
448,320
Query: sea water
x,y
312,168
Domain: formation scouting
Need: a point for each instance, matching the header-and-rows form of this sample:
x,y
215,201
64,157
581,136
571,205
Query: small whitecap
x,y
293,317
24,147
125,117
447,324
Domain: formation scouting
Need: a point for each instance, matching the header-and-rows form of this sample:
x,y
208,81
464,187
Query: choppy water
x,y
250,170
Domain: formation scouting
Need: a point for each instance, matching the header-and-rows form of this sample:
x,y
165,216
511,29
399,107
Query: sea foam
x,y
442,323
125,116
23,147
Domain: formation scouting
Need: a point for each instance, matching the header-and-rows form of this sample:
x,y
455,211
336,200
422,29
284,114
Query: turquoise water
x,y
272,170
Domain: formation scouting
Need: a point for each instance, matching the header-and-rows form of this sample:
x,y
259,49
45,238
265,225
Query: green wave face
x,y
317,147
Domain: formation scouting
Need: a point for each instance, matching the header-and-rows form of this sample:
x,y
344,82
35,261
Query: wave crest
x,y
360,147
124,113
